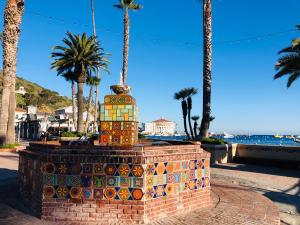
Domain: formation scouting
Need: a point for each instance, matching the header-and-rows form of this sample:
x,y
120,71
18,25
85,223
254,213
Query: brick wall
x,y
109,184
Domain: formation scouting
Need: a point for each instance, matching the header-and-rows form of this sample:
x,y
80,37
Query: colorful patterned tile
x,y
184,176
110,169
76,168
137,194
160,168
98,194
49,168
124,182
48,191
74,180
99,181
160,179
177,166
191,174
62,192
62,180
149,193
206,163
87,168
110,193
170,178
199,183
75,192
200,164
170,167
87,193
177,177
113,181
98,168
124,170
206,182
150,181
160,191
169,189
184,165
124,193
136,182
150,169
137,170
192,164
86,181
49,179
199,173
62,168
192,185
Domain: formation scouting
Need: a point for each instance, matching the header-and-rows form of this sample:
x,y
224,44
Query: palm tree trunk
x,y
80,127
207,65
74,105
184,113
12,20
126,45
11,118
195,129
89,109
98,74
189,116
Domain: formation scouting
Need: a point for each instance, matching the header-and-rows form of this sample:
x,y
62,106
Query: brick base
x,y
108,185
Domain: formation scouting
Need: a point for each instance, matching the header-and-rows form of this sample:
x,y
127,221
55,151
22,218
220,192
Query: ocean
x,y
243,139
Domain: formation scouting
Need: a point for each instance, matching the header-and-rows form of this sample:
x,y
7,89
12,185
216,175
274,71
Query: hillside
x,y
45,99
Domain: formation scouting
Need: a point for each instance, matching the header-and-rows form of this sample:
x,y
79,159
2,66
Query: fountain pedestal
x,y
113,184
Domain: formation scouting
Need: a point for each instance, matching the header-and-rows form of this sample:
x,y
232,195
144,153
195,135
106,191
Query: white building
x,y
161,127
21,91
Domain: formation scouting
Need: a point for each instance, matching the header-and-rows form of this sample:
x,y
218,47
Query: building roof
x,y
20,110
161,120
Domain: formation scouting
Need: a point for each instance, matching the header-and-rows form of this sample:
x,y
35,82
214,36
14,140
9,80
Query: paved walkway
x,y
282,186
232,204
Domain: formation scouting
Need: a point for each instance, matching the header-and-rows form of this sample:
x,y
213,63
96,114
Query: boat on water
x,y
226,135
289,137
278,136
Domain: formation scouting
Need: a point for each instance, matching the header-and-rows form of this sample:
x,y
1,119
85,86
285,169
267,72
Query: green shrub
x,y
71,134
9,146
213,141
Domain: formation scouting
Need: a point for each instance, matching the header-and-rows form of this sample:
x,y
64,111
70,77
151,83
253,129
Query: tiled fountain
x,y
119,180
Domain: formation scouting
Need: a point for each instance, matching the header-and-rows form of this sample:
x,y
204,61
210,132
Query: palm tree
x,y
190,92
289,63
70,77
207,65
126,5
92,81
12,21
182,95
195,119
82,56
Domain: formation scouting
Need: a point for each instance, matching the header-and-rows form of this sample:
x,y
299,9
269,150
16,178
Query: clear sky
x,y
166,55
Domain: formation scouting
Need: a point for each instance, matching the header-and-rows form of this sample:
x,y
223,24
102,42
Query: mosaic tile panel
x,y
119,120
96,181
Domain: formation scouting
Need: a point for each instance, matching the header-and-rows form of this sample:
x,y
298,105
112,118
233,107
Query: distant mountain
x,y
45,99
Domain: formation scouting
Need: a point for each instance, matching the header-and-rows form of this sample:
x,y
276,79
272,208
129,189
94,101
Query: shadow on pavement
x,y
9,197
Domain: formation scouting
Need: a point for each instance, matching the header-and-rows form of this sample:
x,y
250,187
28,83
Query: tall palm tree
x,y
92,81
126,5
70,77
190,92
182,95
195,119
13,14
207,65
82,56
289,63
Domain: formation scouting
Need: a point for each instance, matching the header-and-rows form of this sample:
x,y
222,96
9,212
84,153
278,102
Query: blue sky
x,y
166,55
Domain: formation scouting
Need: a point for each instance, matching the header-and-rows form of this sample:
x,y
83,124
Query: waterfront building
x,y
160,127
